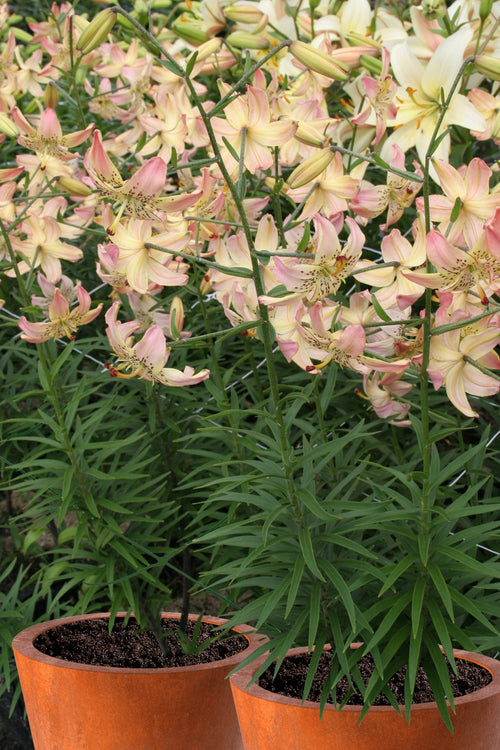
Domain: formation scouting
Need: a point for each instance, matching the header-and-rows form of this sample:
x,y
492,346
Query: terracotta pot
x,y
271,722
74,706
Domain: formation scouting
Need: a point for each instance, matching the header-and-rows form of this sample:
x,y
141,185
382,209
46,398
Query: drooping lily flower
x,y
457,269
146,358
453,354
315,278
47,138
63,320
469,186
143,265
140,195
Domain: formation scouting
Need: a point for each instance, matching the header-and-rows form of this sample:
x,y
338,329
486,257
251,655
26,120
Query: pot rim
x,y
23,644
241,681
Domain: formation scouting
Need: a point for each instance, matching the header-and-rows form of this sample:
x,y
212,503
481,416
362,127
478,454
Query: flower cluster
x,y
325,165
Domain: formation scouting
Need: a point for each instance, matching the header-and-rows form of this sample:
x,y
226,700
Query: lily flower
x,y
380,93
146,358
143,265
423,88
397,195
315,278
457,269
140,195
452,358
468,185
63,320
249,117
47,138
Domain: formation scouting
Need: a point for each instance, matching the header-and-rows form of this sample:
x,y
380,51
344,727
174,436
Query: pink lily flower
x,y
140,195
470,186
393,286
380,93
315,278
399,193
146,358
453,354
251,114
332,190
63,320
457,269
385,392
47,138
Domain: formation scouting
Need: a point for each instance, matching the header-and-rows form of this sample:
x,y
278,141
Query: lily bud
x,y
372,64
74,187
176,317
7,126
50,96
318,61
244,13
485,7
432,9
97,31
190,32
488,65
243,40
309,136
208,48
358,40
310,168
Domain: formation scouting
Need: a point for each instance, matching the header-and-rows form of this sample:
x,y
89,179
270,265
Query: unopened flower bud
x,y
309,135
74,187
189,31
243,40
359,40
318,61
50,96
433,9
243,13
310,168
485,7
176,317
488,65
97,31
7,126
372,64
208,48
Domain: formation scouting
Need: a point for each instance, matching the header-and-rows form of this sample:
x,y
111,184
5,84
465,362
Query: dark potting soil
x,y
90,642
291,678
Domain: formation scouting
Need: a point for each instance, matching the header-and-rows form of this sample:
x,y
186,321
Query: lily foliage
x,y
296,205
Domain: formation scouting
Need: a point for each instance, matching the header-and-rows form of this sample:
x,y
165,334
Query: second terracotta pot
x,y
74,706
274,722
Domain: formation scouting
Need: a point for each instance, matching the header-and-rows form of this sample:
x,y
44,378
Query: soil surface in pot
x,y
90,642
291,678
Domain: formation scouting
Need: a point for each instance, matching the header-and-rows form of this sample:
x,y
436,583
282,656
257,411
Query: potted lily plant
x,y
304,221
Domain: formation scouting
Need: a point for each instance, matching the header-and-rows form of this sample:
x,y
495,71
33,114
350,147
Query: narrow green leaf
x,y
314,613
298,572
307,550
397,571
416,606
343,589
442,588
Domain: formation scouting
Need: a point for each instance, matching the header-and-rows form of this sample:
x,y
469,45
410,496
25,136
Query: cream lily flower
x,y
423,88
468,185
314,278
452,356
63,320
146,358
459,270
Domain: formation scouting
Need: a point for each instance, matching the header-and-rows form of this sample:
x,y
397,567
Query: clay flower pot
x,y
269,721
74,706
